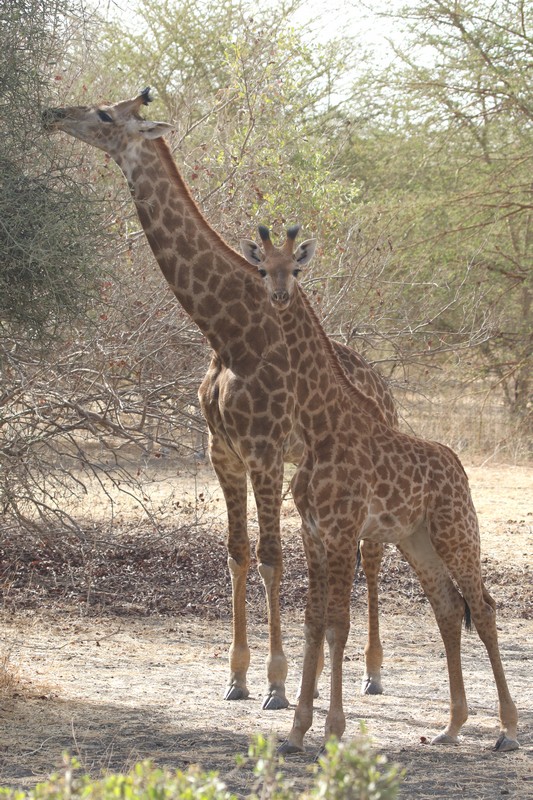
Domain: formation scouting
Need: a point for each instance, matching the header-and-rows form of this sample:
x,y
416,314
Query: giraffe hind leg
x,y
484,618
464,565
449,609
371,556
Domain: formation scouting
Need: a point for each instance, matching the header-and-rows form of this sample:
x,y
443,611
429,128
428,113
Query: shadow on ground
x,y
36,731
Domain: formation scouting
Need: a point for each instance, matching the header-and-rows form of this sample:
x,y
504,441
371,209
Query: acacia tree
x,y
442,143
248,95
479,85
47,255
75,343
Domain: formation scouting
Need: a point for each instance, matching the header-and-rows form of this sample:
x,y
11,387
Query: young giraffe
x,y
360,478
247,395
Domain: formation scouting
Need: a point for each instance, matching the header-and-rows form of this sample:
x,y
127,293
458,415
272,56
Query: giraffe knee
x,y
237,568
267,574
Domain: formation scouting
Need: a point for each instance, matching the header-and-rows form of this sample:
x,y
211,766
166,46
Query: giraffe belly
x,y
388,527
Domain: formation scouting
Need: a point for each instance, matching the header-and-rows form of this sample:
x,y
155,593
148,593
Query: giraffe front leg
x,y
371,556
341,568
267,486
275,698
303,715
239,652
232,478
315,625
319,671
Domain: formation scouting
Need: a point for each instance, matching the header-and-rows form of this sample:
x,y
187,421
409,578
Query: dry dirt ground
x,y
117,644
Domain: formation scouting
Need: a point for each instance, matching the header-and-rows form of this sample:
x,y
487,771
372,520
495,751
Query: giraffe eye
x,y
296,272
104,116
262,272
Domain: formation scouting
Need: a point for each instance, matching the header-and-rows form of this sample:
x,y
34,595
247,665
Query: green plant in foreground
x,y
143,782
354,772
344,772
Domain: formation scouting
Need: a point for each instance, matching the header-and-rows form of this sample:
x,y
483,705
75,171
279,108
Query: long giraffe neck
x,y
212,282
322,387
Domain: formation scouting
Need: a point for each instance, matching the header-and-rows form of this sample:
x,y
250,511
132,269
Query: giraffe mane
x,y
368,405
172,170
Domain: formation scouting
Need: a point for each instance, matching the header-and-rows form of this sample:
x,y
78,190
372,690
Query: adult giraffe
x,y
247,395
360,478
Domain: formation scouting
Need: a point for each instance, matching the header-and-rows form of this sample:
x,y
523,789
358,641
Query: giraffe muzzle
x,y
280,297
51,116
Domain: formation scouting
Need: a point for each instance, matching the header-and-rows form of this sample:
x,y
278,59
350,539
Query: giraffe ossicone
x,y
359,478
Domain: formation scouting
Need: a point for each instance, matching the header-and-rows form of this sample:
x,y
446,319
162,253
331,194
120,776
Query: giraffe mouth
x,y
280,298
51,118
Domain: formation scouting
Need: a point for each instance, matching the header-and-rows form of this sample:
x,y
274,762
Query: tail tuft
x,y
467,617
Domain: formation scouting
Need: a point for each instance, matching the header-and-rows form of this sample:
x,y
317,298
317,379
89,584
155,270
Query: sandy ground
x,y
115,687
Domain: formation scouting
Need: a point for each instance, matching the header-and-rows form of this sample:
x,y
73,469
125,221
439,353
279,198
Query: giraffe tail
x,y
490,601
467,617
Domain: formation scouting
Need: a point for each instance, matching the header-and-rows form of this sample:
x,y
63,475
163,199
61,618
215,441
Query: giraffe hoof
x,y
371,686
445,738
505,745
288,749
275,702
320,753
236,693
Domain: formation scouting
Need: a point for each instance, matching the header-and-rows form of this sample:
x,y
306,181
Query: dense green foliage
x,y
49,232
51,238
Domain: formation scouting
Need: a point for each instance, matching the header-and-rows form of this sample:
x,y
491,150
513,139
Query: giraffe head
x,y
279,266
109,127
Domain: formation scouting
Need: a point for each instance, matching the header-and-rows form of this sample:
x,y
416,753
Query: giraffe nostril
x,y
280,296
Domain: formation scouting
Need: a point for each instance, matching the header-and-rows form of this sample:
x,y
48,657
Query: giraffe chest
x,y
243,413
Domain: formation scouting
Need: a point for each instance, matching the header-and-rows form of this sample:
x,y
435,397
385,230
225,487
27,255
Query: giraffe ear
x,y
305,252
153,130
252,252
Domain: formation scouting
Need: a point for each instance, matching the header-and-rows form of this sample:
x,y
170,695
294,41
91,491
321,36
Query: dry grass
x,y
10,678
474,423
